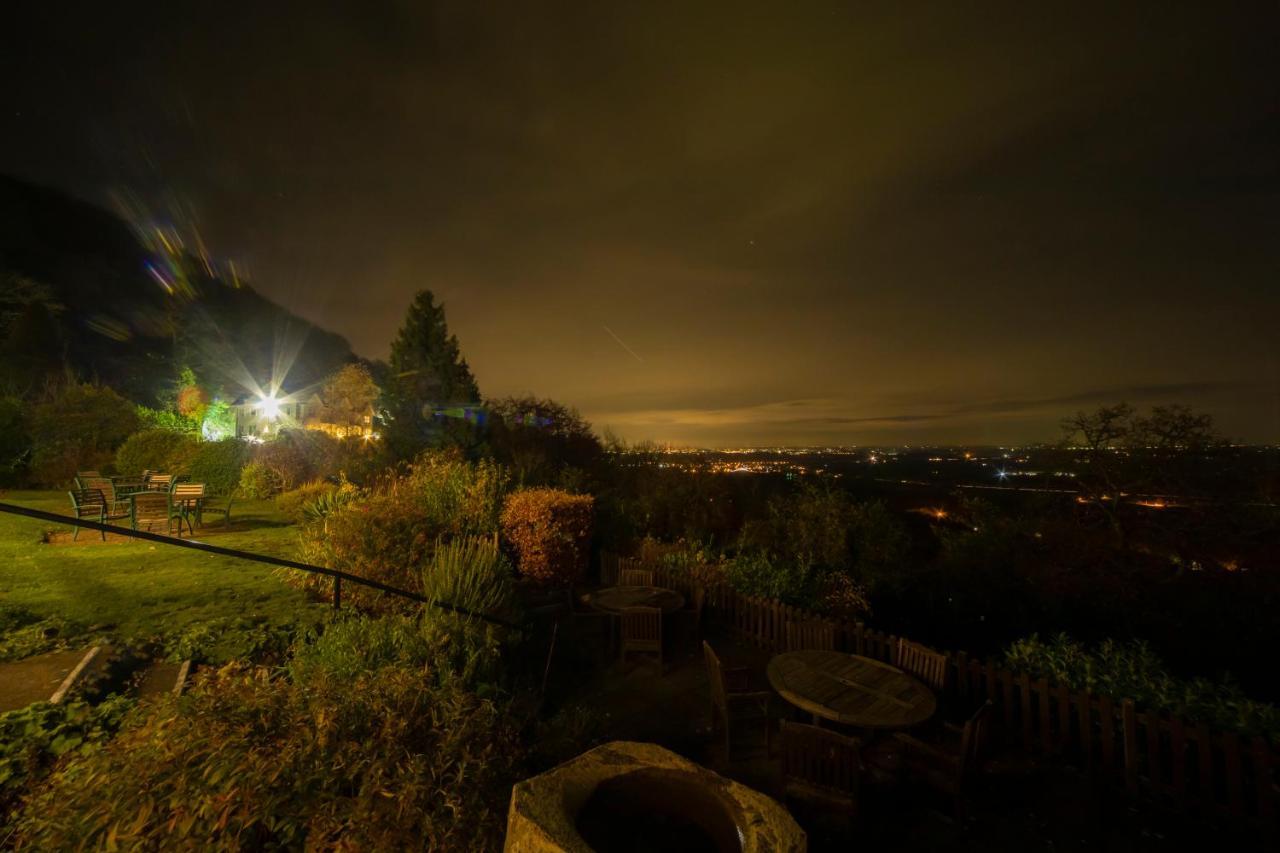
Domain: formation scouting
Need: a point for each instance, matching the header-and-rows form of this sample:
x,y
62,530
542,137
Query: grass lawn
x,y
190,604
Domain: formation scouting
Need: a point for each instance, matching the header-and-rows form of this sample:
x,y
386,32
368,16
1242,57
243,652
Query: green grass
x,y
189,604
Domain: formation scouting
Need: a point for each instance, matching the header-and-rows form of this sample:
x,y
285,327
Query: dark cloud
x,y
956,214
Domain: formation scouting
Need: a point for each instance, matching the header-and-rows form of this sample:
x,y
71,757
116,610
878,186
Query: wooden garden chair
x,y
635,577
820,766
220,505
732,703
813,634
950,765
922,662
93,505
159,482
641,631
83,476
187,504
152,508
117,507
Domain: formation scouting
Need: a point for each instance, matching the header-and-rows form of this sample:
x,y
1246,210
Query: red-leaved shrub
x,y
551,533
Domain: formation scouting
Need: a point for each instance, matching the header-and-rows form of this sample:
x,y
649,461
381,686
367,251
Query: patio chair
x,y
641,631
92,504
635,577
732,703
950,765
820,766
220,505
82,476
816,634
117,507
187,504
152,508
159,482
922,662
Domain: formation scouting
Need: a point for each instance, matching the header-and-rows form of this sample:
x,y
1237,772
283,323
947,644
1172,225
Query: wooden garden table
x,y
615,599
851,689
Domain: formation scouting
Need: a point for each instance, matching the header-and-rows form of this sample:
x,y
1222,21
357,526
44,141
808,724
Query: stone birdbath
x,y
627,796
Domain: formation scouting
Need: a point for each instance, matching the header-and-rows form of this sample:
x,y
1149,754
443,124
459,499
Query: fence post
x,y
1129,721
337,592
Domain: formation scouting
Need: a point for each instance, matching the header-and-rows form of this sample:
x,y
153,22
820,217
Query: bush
x,y
219,464
551,533
472,574
756,573
454,496
286,457
78,429
388,534
258,482
157,450
292,503
33,738
150,418
15,441
404,755
1132,671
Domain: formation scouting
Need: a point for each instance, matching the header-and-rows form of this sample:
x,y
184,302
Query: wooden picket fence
x,y
1148,753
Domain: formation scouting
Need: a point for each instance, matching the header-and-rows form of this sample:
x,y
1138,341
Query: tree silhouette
x,y
429,382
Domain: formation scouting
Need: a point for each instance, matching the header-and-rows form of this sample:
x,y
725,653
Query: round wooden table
x,y
615,599
851,689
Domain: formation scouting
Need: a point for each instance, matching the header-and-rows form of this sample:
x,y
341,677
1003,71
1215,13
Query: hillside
x,y
76,295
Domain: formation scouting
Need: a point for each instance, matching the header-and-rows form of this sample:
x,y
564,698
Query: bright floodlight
x,y
270,407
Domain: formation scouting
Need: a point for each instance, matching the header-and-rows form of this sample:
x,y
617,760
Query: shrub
x,y
757,573
455,496
472,574
157,450
389,533
401,756
315,500
150,418
219,464
286,456
258,482
1132,671
79,428
356,645
15,441
293,502
33,738
551,533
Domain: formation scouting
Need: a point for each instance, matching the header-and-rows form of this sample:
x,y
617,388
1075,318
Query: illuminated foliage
x,y
348,397
551,533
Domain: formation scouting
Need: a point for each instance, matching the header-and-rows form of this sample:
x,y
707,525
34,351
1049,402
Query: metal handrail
x,y
338,576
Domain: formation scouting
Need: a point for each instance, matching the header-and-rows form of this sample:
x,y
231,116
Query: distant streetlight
x,y
270,407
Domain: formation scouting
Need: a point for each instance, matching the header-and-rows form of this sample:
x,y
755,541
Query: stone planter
x,y
636,796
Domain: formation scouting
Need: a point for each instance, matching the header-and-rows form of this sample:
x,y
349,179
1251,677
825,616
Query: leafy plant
x,y
471,573
157,450
34,737
258,482
1132,671
551,533
378,741
78,428
218,464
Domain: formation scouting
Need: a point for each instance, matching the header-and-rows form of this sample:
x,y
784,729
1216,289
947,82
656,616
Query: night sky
x,y
717,224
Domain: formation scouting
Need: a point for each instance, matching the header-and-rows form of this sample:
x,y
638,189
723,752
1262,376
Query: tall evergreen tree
x,y
429,382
